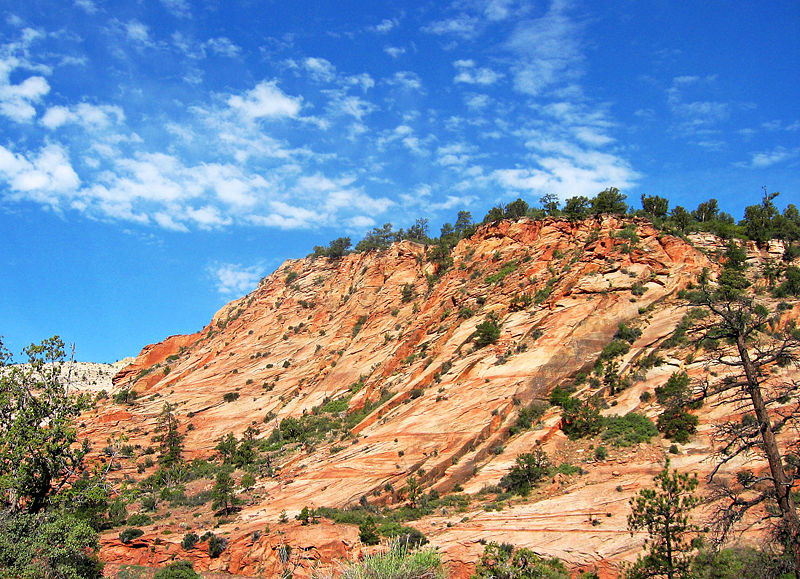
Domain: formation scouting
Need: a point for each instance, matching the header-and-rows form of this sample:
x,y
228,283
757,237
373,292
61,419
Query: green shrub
x,y
290,277
675,391
189,541
508,562
677,424
129,534
529,468
487,332
581,419
633,428
230,396
399,562
138,520
359,324
368,532
615,349
216,546
177,570
626,333
508,268
407,293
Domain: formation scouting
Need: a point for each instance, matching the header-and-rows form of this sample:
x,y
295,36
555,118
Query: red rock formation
x,y
297,341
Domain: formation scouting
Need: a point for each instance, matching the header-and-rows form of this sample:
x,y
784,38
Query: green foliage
x,y
125,396
139,520
677,424
664,513
675,392
633,428
790,287
407,293
189,541
529,468
177,570
581,418
336,249
507,268
52,544
359,324
129,534
399,562
609,201
487,332
368,532
655,206
528,415
626,333
223,492
614,349
504,561
230,396
577,208
738,562
216,545
38,441
171,441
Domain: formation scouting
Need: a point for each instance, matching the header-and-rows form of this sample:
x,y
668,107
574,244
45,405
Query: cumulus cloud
x,y
234,278
266,100
88,116
45,177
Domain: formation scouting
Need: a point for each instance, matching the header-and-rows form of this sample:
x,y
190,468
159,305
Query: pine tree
x,y
664,513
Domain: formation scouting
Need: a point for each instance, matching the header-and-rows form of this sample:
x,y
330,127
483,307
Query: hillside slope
x,y
394,350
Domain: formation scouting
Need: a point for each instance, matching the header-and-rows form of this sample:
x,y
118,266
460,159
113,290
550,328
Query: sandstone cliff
x,y
378,332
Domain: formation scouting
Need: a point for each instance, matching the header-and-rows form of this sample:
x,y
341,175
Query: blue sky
x,y
157,157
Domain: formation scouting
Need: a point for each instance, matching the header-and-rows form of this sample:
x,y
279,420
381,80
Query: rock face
x,y
372,325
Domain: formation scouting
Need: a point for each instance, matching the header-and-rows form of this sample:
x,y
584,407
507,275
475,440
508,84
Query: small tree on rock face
x,y
223,492
664,513
487,332
171,439
529,468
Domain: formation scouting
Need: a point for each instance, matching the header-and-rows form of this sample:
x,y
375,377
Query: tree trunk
x,y
782,483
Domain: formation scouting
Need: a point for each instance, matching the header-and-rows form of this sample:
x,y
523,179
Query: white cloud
x,y
233,278
463,26
468,73
385,25
394,51
137,31
179,8
548,51
320,69
17,100
87,6
406,79
223,46
44,178
266,100
777,155
497,10
90,117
